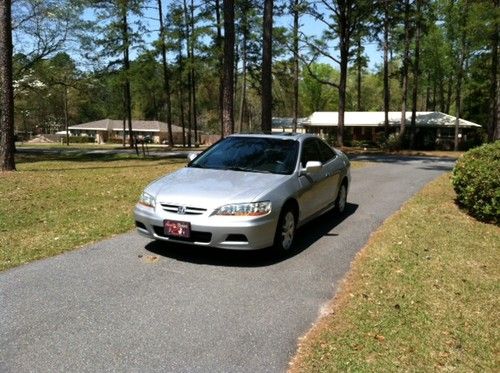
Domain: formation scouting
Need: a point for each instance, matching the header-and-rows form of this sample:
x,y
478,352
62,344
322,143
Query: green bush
x,y
360,143
392,143
476,180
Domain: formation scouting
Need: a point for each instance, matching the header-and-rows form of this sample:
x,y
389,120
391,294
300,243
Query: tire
x,y
341,201
285,231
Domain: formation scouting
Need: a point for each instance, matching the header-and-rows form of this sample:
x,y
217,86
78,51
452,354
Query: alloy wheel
x,y
287,230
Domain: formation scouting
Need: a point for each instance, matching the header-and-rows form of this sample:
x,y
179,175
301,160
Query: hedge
x,y
476,180
80,139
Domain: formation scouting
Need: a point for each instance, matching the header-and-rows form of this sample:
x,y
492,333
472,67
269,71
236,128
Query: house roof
x,y
117,125
376,119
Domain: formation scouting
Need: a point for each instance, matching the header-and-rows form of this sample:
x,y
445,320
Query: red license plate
x,y
177,228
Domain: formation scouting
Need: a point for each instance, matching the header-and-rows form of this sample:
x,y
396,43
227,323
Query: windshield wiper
x,y
237,168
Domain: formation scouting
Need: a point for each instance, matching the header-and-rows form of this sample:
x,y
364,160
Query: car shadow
x,y
306,236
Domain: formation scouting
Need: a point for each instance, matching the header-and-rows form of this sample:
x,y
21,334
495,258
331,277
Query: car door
x,y
313,191
333,166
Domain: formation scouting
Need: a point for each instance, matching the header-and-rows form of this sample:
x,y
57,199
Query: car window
x,y
309,152
326,153
253,154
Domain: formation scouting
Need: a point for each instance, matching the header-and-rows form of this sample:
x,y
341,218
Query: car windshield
x,y
251,154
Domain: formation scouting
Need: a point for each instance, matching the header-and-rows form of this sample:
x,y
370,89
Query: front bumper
x,y
224,232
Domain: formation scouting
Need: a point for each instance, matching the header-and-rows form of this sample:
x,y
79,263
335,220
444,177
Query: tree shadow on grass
x,y
110,167
83,159
80,157
95,155
307,235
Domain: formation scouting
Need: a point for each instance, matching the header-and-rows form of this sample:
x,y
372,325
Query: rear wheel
x,y
285,231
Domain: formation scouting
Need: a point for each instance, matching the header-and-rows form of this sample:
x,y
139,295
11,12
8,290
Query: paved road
x,y
107,307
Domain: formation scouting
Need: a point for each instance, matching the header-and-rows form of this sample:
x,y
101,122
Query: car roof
x,y
277,135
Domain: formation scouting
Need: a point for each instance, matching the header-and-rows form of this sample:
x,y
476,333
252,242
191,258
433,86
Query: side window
x,y
309,152
326,153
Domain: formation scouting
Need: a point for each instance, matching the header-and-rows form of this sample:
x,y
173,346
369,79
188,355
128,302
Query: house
x,y
432,127
286,125
105,130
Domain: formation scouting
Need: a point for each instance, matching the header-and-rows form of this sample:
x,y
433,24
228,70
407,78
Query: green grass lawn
x,y
422,296
56,203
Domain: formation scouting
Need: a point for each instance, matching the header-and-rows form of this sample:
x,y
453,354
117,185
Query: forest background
x,y
229,66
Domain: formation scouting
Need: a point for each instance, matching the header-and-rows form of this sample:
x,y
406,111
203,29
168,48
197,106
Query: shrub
x,y
476,180
392,143
80,139
116,140
360,143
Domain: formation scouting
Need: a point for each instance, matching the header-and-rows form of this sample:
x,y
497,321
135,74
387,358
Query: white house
x,y
367,125
106,129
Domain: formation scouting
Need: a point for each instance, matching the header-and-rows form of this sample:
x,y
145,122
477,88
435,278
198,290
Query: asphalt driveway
x,y
129,304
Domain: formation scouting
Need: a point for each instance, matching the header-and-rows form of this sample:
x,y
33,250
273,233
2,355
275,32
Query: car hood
x,y
209,188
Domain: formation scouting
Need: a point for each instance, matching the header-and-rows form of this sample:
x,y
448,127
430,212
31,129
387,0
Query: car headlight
x,y
147,199
244,209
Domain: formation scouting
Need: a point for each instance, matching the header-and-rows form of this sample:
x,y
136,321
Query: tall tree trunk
x,y
228,82
181,93
266,81
190,76
428,93
235,73
358,77
449,94
434,96
166,75
406,62
442,100
295,64
493,129
65,111
387,92
220,50
416,73
243,76
344,26
193,78
7,145
460,72
124,122
126,69
344,56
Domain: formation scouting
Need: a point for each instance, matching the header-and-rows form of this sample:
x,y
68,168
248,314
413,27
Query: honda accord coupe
x,y
246,192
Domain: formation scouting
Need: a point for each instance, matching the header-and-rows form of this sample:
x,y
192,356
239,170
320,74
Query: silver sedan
x,y
246,192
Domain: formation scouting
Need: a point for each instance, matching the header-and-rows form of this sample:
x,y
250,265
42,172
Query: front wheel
x,y
285,231
341,201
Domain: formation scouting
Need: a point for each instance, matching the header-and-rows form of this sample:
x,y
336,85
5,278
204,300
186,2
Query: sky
x,y
308,26
311,27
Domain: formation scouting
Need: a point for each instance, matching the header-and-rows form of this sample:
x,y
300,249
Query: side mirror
x,y
312,167
191,156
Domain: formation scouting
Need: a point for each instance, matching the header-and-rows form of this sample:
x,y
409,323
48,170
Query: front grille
x,y
187,210
196,236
